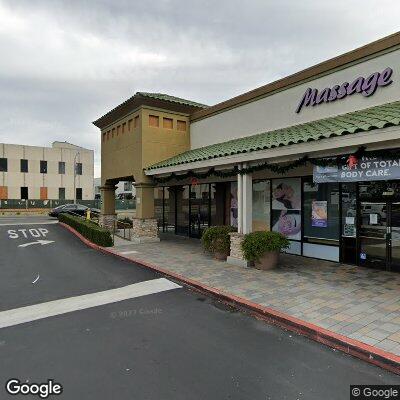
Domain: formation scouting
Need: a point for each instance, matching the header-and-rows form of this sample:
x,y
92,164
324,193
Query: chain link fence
x,y
15,204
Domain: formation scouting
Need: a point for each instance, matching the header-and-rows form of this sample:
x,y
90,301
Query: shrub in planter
x,y
216,240
263,248
89,229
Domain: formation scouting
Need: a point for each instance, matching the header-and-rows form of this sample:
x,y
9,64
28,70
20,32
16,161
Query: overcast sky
x,y
65,63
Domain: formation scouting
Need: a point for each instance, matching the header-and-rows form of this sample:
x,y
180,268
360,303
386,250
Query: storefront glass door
x,y
380,235
395,237
199,209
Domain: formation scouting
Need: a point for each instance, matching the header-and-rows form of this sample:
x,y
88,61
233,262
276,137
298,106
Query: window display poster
x,y
319,214
287,222
373,219
234,204
286,194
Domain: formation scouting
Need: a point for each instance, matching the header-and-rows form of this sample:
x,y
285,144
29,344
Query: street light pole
x,y
76,155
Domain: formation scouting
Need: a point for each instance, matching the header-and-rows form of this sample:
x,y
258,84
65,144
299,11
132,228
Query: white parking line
x,y
29,223
22,315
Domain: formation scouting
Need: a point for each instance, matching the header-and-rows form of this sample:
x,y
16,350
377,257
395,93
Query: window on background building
x,y
3,192
129,125
104,136
127,186
168,123
118,129
78,168
3,165
261,205
181,125
61,193
286,210
61,167
124,127
154,121
108,135
78,194
24,165
112,132
136,122
43,167
24,193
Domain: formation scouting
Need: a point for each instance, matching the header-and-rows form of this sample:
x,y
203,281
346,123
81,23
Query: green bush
x,y
90,230
256,244
216,238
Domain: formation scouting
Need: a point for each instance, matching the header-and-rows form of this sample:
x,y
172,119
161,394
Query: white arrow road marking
x,y
56,307
41,242
37,278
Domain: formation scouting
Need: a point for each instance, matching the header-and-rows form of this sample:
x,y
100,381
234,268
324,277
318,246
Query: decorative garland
x,y
281,169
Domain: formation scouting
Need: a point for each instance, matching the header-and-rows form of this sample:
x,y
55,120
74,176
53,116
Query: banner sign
x,y
319,214
366,169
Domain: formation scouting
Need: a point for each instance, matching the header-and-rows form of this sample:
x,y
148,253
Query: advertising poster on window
x,y
234,205
286,207
287,222
286,194
319,214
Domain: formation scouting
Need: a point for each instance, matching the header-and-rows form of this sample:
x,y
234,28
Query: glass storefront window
x,y
286,211
321,210
182,207
286,207
169,209
213,205
233,204
199,208
349,209
158,206
261,205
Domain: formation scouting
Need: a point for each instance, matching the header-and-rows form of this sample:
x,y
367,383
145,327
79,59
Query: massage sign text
x,y
366,169
365,86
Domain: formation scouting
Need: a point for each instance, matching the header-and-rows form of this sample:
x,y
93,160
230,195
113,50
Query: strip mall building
x,y
315,156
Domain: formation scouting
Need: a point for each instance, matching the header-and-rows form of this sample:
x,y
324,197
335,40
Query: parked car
x,y
69,209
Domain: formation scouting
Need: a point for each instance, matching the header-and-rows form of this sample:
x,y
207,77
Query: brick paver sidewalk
x,y
359,303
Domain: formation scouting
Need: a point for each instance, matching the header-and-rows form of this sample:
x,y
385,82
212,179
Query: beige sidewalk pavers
x,y
360,303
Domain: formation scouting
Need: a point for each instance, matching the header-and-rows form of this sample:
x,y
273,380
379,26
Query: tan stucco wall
x,y
127,154
33,179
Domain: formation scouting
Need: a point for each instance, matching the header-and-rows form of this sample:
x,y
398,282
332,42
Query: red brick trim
x,y
371,354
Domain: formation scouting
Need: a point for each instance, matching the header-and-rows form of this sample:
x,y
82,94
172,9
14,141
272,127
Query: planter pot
x,y
268,261
220,256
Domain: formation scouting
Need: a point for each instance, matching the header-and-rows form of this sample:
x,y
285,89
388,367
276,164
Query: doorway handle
x,y
388,233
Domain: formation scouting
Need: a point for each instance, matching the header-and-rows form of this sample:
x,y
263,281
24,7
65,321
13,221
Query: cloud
x,y
64,63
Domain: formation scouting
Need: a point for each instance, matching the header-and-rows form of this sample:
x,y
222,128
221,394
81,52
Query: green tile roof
x,y
173,99
357,121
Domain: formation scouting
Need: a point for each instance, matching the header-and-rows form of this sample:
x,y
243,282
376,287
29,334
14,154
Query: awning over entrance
x,y
368,119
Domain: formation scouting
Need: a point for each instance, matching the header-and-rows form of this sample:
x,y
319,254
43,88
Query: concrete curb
x,y
363,351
